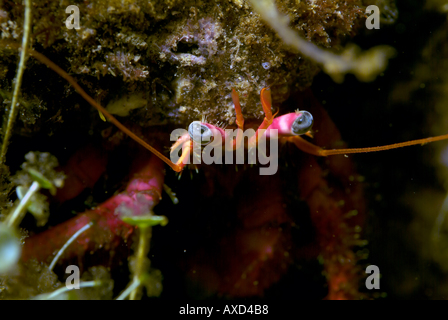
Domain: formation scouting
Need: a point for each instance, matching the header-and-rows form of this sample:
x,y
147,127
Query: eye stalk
x,y
303,123
200,133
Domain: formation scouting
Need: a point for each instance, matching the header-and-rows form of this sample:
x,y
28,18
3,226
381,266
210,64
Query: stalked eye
x,y
303,123
200,133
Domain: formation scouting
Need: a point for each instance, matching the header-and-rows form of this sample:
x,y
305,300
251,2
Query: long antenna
x,y
383,148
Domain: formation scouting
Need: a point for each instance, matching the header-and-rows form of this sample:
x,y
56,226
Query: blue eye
x,y
303,123
200,133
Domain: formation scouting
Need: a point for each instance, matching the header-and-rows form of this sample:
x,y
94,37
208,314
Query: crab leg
x,y
186,149
108,230
184,142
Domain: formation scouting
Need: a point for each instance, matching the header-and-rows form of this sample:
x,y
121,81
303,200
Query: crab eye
x,y
200,133
303,123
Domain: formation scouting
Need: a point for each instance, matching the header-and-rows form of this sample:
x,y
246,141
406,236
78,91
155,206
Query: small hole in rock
x,y
185,47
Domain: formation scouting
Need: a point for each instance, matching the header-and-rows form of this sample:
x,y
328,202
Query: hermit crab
x,y
260,248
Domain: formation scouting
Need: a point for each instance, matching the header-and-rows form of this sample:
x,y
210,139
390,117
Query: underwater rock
x,y
192,52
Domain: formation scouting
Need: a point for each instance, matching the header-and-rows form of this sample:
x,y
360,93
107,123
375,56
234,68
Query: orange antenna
x,y
40,57
383,148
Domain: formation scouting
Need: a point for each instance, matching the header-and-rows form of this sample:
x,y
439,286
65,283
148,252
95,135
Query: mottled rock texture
x,y
180,57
